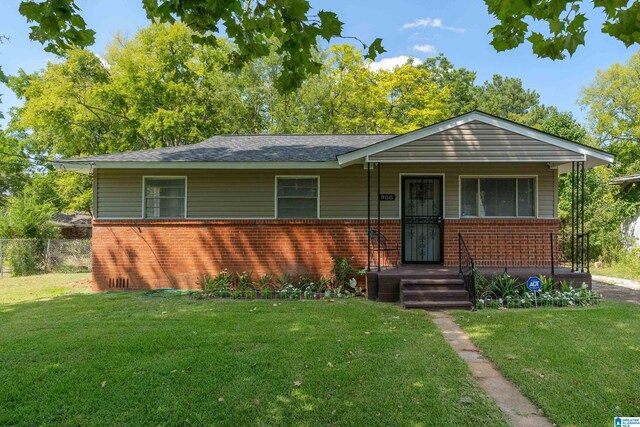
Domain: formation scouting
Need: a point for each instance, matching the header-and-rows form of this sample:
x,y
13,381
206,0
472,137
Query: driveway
x,y
617,293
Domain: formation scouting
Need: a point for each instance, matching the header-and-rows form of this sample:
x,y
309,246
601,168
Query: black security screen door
x,y
422,235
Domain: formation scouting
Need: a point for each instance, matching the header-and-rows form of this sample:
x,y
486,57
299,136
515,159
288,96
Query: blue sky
x,y
419,28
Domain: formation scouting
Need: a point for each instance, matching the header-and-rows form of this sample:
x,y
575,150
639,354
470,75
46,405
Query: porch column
x,y
378,166
368,216
578,235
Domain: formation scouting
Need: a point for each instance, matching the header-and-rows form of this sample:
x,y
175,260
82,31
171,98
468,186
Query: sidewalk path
x,y
520,411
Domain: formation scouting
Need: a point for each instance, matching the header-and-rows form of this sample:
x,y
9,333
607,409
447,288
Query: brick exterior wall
x,y
494,242
149,254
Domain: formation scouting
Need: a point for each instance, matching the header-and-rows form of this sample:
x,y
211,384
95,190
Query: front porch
x,y
384,285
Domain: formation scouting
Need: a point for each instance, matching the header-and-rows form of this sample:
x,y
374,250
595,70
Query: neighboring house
x,y
287,203
76,225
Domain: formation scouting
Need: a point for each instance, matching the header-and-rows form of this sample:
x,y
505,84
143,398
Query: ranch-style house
x,y
472,189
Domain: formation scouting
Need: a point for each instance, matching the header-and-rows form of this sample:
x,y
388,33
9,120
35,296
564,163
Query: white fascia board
x,y
86,167
354,156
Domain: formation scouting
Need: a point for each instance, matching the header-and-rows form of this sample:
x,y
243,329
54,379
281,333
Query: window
x,y
497,197
297,197
165,197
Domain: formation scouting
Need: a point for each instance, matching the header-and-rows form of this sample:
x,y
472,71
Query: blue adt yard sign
x,y
534,284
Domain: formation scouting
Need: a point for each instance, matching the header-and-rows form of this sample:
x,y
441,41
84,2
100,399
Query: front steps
x,y
441,293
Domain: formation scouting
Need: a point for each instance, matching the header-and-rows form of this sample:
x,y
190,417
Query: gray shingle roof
x,y
249,148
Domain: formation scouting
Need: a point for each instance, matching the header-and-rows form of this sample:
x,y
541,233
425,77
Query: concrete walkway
x,y
519,410
616,292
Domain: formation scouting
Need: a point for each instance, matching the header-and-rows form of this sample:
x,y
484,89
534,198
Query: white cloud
x,y
430,22
425,48
391,63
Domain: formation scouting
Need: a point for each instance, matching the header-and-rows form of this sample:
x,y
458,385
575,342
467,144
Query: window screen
x,y
497,197
164,197
297,197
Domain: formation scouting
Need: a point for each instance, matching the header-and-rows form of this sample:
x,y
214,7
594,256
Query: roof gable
x,y
476,141
565,150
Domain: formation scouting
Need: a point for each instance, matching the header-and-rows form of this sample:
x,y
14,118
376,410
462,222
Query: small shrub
x,y
548,284
25,257
243,280
284,281
504,285
572,297
344,274
484,287
218,286
265,282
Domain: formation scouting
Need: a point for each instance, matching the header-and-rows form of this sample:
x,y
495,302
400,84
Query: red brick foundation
x,y
494,242
146,254
138,254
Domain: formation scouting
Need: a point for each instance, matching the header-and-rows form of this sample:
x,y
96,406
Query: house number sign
x,y
387,197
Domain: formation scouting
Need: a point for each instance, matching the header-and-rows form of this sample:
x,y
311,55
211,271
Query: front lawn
x,y
580,365
618,270
133,359
45,286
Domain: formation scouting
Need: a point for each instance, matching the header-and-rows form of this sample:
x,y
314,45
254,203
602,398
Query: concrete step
x,y
439,281
435,295
438,305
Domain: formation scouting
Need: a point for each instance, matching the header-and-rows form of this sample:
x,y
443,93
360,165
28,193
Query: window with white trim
x,y
165,197
498,197
297,197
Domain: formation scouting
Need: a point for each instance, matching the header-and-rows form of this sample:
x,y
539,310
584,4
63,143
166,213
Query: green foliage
x,y
25,218
288,26
26,257
344,274
504,285
504,291
548,284
484,287
505,97
459,82
13,166
565,21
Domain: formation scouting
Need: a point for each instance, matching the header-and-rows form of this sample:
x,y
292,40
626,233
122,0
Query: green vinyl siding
x,y
238,193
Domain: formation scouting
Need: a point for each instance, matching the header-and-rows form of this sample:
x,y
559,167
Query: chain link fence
x,y
21,257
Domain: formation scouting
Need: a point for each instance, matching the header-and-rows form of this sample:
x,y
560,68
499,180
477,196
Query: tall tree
x,y
155,90
613,103
460,82
291,27
505,97
14,165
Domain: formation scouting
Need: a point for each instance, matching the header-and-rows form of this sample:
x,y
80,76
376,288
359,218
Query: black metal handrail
x,y
467,268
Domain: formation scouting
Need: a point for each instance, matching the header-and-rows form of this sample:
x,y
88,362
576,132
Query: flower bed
x,y
227,285
504,291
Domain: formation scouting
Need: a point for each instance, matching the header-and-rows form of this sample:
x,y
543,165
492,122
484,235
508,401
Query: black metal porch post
x,y
378,166
368,216
582,242
573,214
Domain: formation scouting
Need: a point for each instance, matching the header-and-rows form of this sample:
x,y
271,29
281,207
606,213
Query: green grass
x,y
619,270
580,365
131,359
46,286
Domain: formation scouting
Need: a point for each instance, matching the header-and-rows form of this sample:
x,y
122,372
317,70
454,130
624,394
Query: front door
x,y
422,234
